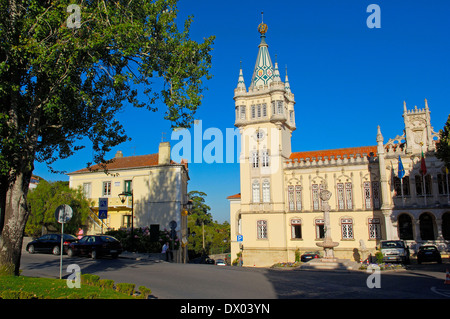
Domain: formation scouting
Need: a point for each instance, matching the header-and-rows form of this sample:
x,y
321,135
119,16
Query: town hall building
x,y
279,212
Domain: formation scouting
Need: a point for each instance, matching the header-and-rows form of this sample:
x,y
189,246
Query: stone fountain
x,y
328,244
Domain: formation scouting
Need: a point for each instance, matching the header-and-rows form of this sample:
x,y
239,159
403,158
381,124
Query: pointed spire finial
x,y
426,104
262,27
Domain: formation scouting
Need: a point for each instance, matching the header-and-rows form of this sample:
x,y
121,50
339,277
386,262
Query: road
x,y
194,281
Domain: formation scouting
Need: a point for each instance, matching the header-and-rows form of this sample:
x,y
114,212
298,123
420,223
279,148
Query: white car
x,y
395,251
220,262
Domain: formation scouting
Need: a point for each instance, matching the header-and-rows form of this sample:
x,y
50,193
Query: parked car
x,y
50,243
395,251
96,246
309,255
220,262
428,253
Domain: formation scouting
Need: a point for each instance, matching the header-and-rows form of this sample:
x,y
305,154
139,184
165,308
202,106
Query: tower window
x,y
266,191
264,110
255,159
255,192
242,112
265,158
253,112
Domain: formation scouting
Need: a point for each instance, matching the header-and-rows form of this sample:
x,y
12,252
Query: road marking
x,y
442,292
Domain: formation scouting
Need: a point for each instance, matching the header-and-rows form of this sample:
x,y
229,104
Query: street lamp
x,y
123,196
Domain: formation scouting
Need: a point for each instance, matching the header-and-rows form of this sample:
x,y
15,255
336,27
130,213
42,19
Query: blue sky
x,y
347,78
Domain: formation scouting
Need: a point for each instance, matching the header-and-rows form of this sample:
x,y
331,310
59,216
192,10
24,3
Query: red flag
x,y
423,167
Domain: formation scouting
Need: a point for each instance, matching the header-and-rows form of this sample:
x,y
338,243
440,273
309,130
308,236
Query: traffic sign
x,y
240,238
103,208
63,213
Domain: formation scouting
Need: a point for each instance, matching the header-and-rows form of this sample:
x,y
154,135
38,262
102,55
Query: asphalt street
x,y
198,281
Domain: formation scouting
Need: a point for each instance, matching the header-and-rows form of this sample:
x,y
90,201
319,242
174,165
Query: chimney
x,y
119,154
164,153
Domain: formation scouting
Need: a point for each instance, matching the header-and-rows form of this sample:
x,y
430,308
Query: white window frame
x,y
266,191
261,229
106,188
347,228
256,198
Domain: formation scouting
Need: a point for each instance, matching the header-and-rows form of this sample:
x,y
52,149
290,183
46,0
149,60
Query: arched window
x,y
446,226
255,191
426,227
405,228
266,191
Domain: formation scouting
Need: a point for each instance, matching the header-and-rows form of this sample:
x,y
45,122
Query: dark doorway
x,y
405,227
426,227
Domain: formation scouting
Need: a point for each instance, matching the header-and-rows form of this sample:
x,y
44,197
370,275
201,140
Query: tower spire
x,y
287,87
263,71
241,82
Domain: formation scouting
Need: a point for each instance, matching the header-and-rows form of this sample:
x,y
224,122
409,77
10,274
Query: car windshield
x,y
392,244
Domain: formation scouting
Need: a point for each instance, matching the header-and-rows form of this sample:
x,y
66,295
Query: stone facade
x,y
278,211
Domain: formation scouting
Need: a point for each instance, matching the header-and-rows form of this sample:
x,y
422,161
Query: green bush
x,y
379,257
145,292
125,288
106,283
11,294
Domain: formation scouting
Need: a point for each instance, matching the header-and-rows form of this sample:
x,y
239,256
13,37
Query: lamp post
x,y
123,196
188,206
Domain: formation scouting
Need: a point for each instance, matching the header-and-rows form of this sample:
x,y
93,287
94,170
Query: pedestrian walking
x,y
165,250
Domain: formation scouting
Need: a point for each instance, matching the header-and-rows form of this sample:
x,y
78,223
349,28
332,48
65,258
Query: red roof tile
x,y
351,151
236,196
126,162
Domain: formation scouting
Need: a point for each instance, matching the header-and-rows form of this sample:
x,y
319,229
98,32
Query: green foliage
x,y
22,287
106,283
44,200
145,292
59,84
379,257
125,288
443,146
141,240
217,236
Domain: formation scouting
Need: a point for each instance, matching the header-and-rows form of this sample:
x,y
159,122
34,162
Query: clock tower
x,y
266,119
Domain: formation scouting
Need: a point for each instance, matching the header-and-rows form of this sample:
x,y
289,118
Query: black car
x,y
50,243
428,253
309,255
96,246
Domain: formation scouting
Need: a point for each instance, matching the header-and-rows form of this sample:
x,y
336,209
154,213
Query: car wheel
x,y
31,249
56,250
94,254
70,252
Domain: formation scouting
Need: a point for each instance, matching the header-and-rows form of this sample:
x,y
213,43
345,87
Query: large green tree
x,y
61,82
443,146
210,236
43,201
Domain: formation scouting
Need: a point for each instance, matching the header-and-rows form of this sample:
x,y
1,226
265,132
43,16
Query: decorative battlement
x,y
332,160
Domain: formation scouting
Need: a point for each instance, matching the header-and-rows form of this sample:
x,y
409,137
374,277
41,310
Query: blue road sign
x,y
103,208
240,238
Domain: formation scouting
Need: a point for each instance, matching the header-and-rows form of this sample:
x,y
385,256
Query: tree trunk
x,y
15,218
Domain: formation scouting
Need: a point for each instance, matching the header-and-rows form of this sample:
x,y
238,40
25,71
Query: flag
x,y
423,167
401,170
